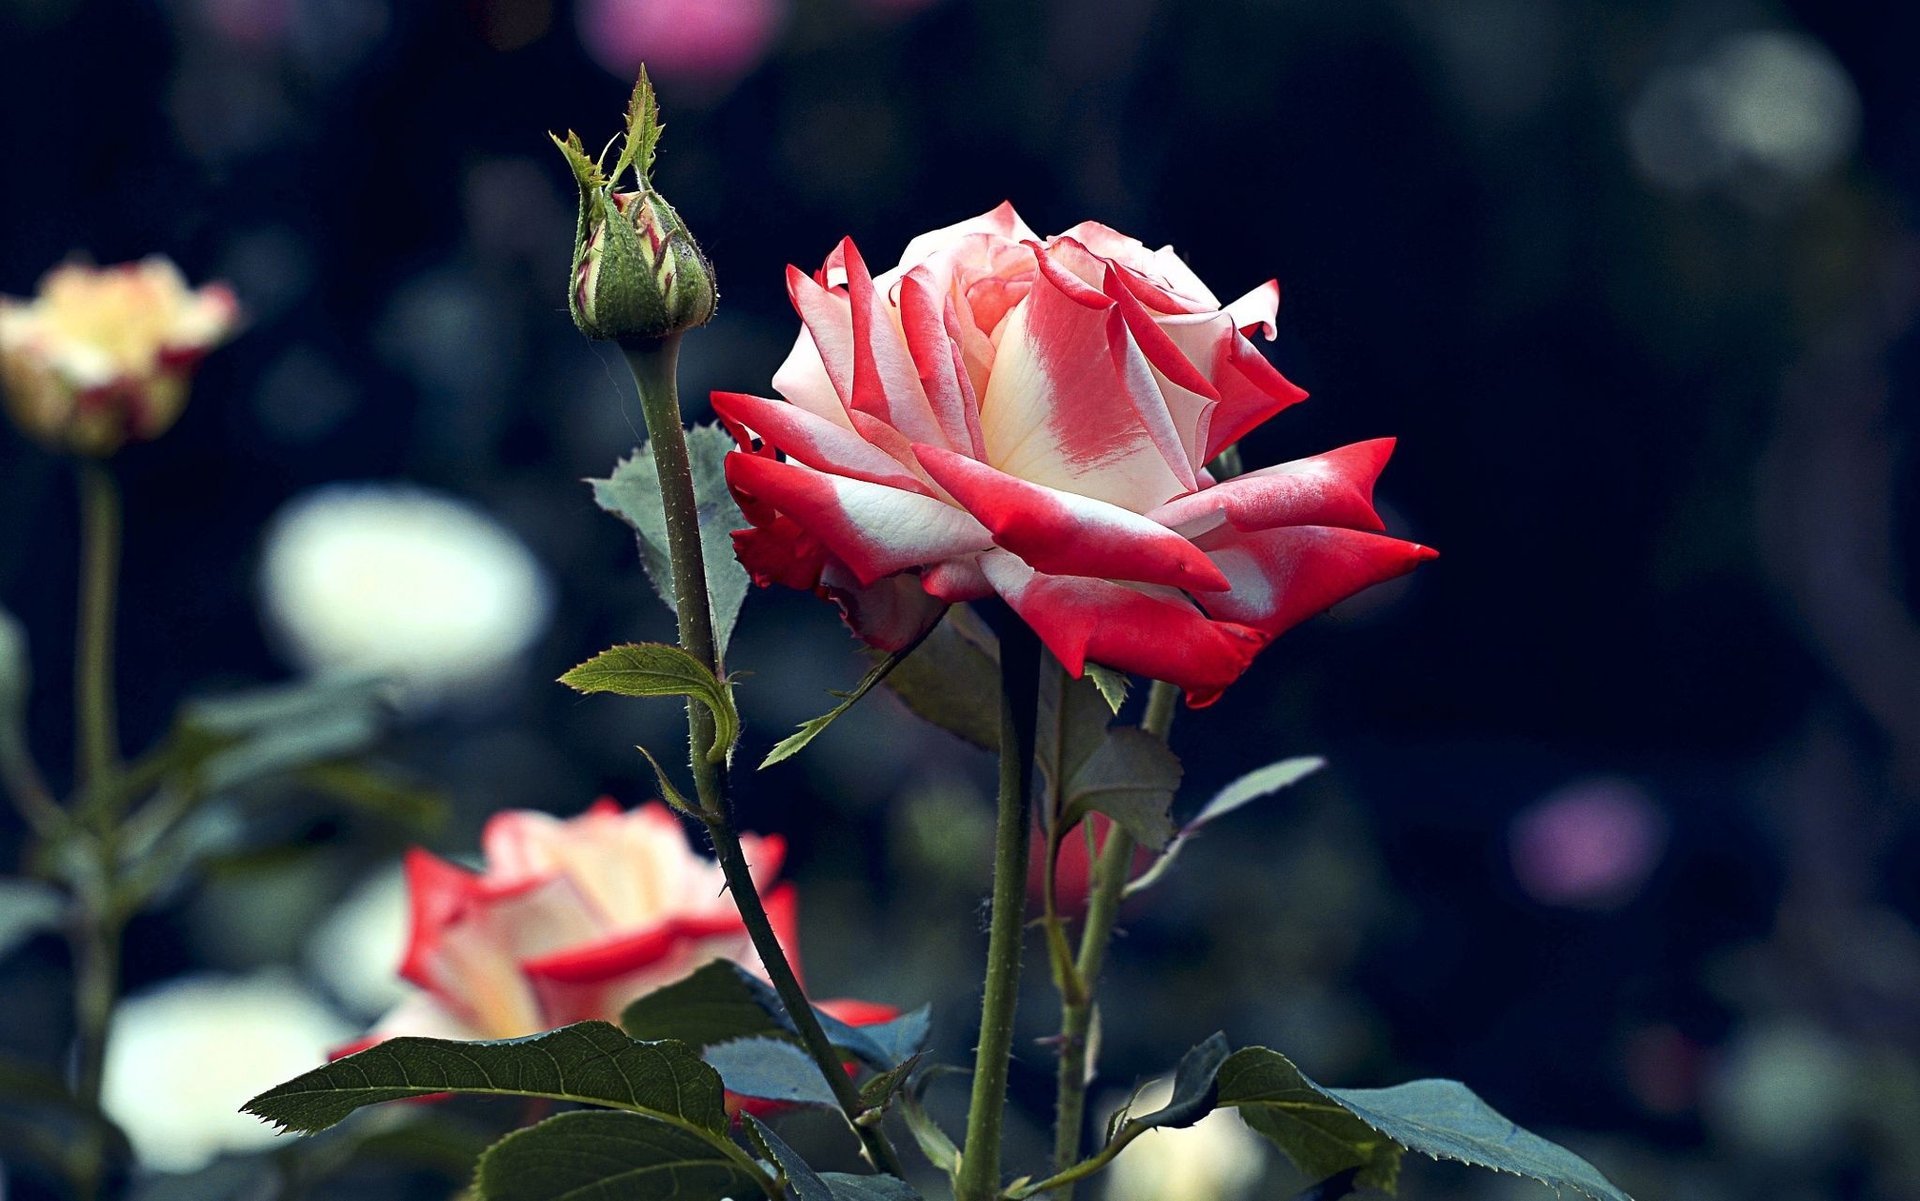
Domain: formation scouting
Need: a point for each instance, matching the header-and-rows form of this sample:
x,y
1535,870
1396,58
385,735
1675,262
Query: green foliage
x,y
632,493
771,1069
1112,685
1325,1131
655,669
804,1184
1194,1087
586,172
934,1142
227,742
601,1156
592,1063
1070,726
723,1002
643,130
878,1093
27,908
953,678
1251,787
791,745
1316,1131
1131,777
801,1182
847,1187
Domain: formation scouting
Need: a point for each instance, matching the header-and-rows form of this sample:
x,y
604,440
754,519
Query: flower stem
x,y
655,371
1111,872
979,1177
98,920
97,754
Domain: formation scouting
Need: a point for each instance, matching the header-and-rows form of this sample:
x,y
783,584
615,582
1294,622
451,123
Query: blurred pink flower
x,y
691,41
1589,845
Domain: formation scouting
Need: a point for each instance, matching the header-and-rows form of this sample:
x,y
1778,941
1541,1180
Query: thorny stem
x,y
1110,874
979,1176
655,366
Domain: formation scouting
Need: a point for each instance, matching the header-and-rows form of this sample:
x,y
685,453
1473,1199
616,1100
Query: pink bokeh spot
x,y
692,41
1589,845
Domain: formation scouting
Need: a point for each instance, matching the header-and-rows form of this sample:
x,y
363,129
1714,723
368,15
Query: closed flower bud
x,y
104,355
638,275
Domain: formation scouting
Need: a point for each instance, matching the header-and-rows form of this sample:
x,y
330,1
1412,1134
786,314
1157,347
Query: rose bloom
x,y
104,355
573,919
1002,415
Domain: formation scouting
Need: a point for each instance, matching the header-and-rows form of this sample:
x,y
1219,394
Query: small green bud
x,y
638,275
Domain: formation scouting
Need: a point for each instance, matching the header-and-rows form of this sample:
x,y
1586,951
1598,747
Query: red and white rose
x,y
572,919
104,355
1001,414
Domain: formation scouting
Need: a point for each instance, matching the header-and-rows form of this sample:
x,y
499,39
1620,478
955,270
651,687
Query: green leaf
x,y
1194,1087
643,130
230,741
599,1156
632,493
953,679
655,669
668,790
27,908
1112,685
1251,787
378,792
771,1069
1328,1130
847,1187
1321,1135
1131,778
1070,726
592,1063
803,1183
722,1002
878,1093
586,172
933,1141
792,743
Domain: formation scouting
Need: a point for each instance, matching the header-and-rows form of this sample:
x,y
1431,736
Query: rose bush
x,y
1005,415
102,356
571,920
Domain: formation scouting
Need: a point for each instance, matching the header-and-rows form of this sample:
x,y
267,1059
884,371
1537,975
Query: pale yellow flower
x,y
103,355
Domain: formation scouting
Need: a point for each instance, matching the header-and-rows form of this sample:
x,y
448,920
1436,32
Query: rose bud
x,y
1031,418
638,275
103,355
571,920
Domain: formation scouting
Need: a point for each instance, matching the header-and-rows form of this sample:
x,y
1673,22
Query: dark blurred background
x,y
1619,825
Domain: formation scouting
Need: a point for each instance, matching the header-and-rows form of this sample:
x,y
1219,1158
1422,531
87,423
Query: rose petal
x,y
1069,401
873,529
886,381
1063,534
1152,633
821,444
890,615
1283,576
1000,221
439,892
924,309
824,350
1335,488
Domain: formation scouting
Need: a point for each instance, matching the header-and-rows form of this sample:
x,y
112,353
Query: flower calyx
x,y
638,276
